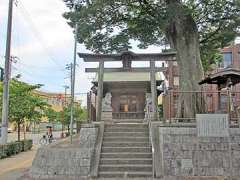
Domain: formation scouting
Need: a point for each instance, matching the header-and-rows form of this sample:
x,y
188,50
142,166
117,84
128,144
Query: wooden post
x,y
153,88
219,98
89,104
100,91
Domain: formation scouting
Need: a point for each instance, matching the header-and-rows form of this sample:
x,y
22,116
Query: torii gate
x,y
127,57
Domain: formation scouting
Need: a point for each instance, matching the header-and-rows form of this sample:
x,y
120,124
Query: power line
x,y
28,76
35,67
36,33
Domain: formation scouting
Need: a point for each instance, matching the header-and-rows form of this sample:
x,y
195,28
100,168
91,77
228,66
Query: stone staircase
x,y
126,151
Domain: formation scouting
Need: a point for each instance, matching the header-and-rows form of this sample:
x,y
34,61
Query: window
x,y
123,103
227,59
128,103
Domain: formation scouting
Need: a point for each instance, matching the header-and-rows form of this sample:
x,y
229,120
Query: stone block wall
x,y
66,160
186,154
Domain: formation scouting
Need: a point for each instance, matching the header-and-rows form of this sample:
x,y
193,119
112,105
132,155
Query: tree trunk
x,y
24,131
19,131
183,36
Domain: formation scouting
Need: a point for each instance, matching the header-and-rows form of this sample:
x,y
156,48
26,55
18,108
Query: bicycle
x,y
46,140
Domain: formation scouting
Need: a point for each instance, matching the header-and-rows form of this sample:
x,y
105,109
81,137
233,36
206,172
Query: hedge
x,y
14,148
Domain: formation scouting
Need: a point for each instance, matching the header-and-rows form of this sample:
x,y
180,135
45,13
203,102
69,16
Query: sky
x,y
43,43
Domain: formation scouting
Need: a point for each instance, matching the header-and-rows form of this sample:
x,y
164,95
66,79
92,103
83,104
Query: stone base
x,y
183,153
107,116
148,116
64,159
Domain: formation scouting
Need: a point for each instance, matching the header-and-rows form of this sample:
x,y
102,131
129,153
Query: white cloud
x,y
40,31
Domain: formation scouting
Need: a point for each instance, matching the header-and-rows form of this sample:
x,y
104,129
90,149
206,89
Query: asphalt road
x,y
35,137
14,167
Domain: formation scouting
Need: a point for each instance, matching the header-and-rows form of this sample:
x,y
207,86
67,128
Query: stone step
x,y
126,144
107,115
125,139
140,125
128,121
126,161
128,134
125,175
126,149
126,129
125,167
127,155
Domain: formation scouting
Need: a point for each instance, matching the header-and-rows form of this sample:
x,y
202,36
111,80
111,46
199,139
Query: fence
x,y
205,102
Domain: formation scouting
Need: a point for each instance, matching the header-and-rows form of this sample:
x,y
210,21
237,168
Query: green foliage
x,y
14,148
80,114
52,115
23,104
108,26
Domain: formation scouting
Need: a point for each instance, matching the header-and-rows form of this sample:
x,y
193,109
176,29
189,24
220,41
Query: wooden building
x,y
129,91
126,92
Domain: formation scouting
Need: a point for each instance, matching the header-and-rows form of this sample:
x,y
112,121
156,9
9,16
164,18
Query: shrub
x,y
27,144
14,148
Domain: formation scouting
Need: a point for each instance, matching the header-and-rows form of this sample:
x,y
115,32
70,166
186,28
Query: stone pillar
x,y
100,90
153,88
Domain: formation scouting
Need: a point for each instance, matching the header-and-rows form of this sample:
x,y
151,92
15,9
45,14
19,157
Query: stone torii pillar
x,y
100,91
153,88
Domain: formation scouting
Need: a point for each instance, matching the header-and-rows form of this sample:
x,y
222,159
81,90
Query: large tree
x,y
191,27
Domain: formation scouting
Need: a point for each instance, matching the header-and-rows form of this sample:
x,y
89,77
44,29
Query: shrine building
x,y
126,92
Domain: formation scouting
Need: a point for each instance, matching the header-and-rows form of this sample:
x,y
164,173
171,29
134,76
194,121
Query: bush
x,y
27,144
67,134
14,148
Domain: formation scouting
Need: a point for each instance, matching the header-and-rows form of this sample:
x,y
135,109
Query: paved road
x,y
34,137
13,167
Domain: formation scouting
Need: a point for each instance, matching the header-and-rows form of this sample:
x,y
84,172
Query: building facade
x,y
55,100
231,58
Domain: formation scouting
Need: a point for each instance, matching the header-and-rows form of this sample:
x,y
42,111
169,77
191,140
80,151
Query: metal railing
x,y
152,146
212,102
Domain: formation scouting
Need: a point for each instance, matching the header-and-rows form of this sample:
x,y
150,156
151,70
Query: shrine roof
x,y
128,77
222,77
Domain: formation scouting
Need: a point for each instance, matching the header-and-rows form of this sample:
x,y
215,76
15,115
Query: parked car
x,y
10,130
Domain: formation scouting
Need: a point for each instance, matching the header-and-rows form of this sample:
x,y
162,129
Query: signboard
x,y
212,125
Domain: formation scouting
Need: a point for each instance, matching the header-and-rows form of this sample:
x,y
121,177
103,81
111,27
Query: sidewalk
x,y
13,167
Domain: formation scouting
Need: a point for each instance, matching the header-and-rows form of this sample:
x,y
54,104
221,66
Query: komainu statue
x,y
107,102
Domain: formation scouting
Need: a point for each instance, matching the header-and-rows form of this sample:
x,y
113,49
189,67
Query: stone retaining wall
x,y
183,153
64,159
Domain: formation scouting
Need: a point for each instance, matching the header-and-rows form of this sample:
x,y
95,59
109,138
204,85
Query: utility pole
x,y
72,103
71,67
73,75
5,105
63,106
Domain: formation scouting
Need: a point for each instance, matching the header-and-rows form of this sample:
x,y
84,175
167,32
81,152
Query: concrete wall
x,y
66,160
185,154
